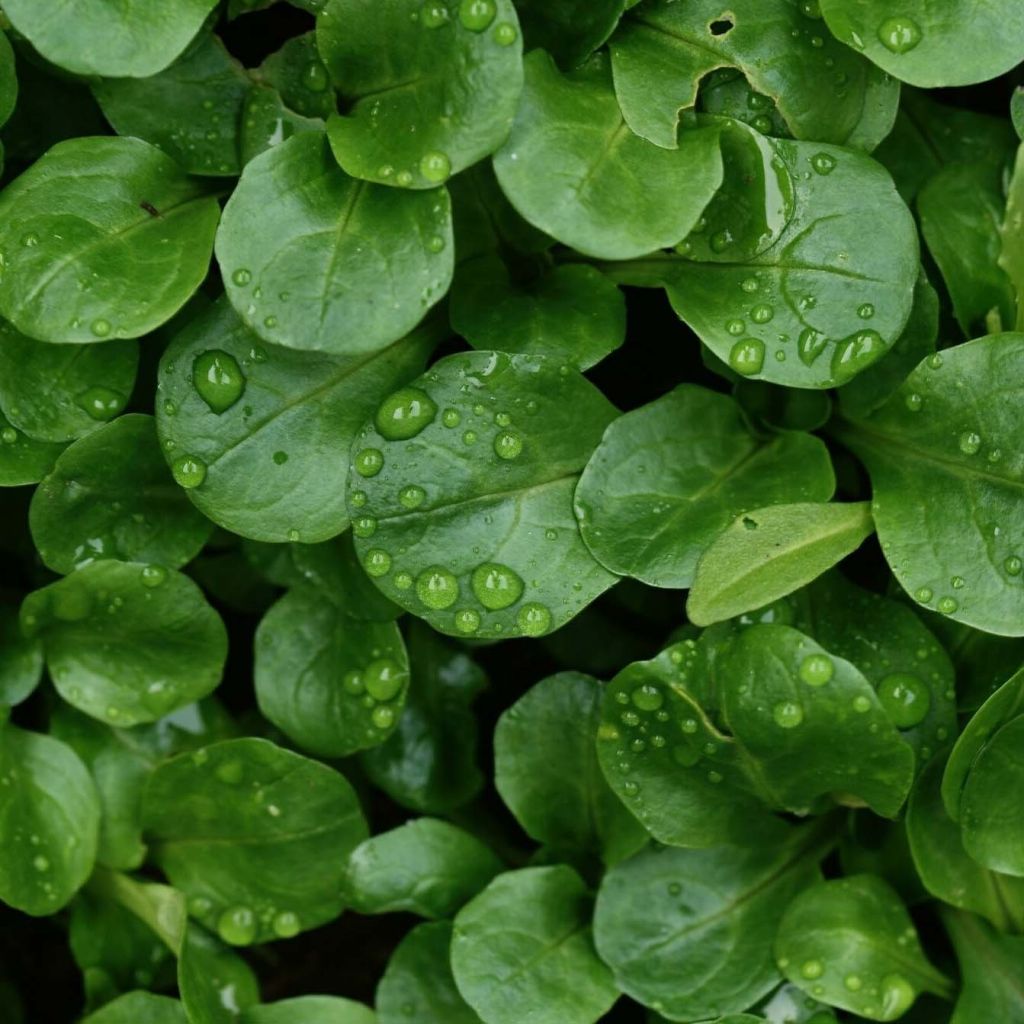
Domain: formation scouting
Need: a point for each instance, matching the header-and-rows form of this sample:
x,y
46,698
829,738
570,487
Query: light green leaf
x,y
429,763
139,1008
850,942
103,238
991,968
1011,235
824,91
22,460
338,265
461,494
690,931
770,552
267,122
570,312
426,867
127,642
192,110
331,684
573,168
60,392
109,37
547,773
824,301
419,975
668,477
812,723
947,476
945,867
961,209
215,984
271,425
21,659
50,817
956,43
231,824
522,949
310,1010
110,495
425,96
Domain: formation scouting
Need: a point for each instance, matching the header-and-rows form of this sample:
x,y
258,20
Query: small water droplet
x,y
788,714
905,698
477,15
534,619
237,926
817,669
970,442
101,328
899,35
823,163
508,445
369,462
435,167
377,563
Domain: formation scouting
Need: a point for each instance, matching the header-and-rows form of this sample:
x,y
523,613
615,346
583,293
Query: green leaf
x,y
961,209
570,30
547,772
8,80
1011,234
22,460
126,642
300,77
310,1010
770,552
271,425
214,983
670,764
21,659
109,37
850,942
425,97
60,392
231,822
51,819
426,867
139,1008
1017,111
945,867
573,168
192,110
829,297
522,949
946,482
992,971
668,477
339,265
461,494
87,258
159,907
812,723
824,91
871,387
429,763
331,684
570,312
958,43
267,122
419,975
689,932
110,495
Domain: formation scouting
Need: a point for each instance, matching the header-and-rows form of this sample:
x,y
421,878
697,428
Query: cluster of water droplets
x,y
377,685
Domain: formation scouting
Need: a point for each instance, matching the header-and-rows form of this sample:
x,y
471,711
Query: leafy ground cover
x,y
512,511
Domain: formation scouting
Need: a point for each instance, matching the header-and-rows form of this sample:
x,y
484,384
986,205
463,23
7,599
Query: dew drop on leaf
x,y
905,698
899,34
496,586
188,471
437,588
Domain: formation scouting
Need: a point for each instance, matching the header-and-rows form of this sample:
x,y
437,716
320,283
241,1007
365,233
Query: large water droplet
x,y
188,471
153,575
315,76
747,356
505,33
855,353
970,442
467,620
437,588
377,563
508,445
900,34
434,14
369,462
788,714
897,995
435,167
905,698
476,15
648,697
534,619
237,926
810,345
404,414
218,379
383,679
817,669
286,924
100,403
496,586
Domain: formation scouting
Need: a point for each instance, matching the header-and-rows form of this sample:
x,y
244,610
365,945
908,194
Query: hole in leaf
x,y
749,523
722,25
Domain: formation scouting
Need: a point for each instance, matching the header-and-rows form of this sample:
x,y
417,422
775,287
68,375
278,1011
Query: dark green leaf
x,y
310,1010
21,659
214,983
570,30
139,1008
992,969
22,460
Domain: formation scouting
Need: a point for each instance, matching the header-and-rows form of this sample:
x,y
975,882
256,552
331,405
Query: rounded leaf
x,y
310,1010
22,460
127,642
103,238
338,265
461,489
139,1008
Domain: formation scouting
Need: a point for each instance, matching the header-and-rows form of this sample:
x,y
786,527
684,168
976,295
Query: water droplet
x,y
812,969
237,926
352,683
897,995
188,471
437,588
377,563
505,33
382,717
913,401
958,582
403,580
434,15
823,163
476,15
467,620
948,605
787,714
153,575
853,982
747,356
923,595
749,285
451,417
935,361
315,77
736,327
817,669
403,178
9,435
286,924
100,403
508,445
30,240
1013,565
762,314
688,725
866,311
100,327
861,704
648,697
810,345
534,619
970,442
218,379
496,586
899,35
435,167
293,535
855,353
383,679
905,698
369,462
405,414
241,277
